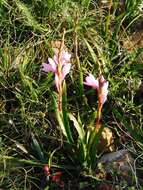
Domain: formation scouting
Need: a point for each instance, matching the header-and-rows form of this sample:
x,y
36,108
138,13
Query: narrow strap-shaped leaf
x,y
78,127
58,115
65,115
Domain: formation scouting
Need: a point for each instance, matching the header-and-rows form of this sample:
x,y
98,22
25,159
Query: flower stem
x,y
99,109
59,72
100,105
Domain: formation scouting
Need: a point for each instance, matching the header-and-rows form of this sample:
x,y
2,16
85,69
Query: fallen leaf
x,y
56,44
106,141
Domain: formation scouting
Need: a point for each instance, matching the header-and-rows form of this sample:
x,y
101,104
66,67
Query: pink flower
x,y
52,66
91,81
100,84
104,90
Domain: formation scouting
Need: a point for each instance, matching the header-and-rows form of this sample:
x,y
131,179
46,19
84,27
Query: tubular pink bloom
x,y
104,92
91,81
66,56
45,67
55,58
65,70
57,82
100,84
53,66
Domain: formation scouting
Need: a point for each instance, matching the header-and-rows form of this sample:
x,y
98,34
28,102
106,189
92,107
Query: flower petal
x,y
66,56
65,70
47,67
57,82
104,92
53,65
91,81
56,59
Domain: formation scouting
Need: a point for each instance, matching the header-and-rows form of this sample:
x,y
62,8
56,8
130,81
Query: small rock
x,y
118,162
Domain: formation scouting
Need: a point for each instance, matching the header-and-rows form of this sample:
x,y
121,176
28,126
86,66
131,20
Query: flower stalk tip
x,y
60,66
100,84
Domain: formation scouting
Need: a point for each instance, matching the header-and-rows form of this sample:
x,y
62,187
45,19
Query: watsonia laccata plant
x,y
60,65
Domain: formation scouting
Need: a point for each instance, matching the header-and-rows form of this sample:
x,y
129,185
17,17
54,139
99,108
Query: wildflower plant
x,y
60,65
56,130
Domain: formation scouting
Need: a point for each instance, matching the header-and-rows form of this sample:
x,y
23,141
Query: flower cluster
x,y
53,66
100,84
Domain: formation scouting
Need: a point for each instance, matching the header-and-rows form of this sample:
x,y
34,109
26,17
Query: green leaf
x,y
85,4
135,134
58,114
62,116
37,148
81,139
29,18
78,127
65,115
